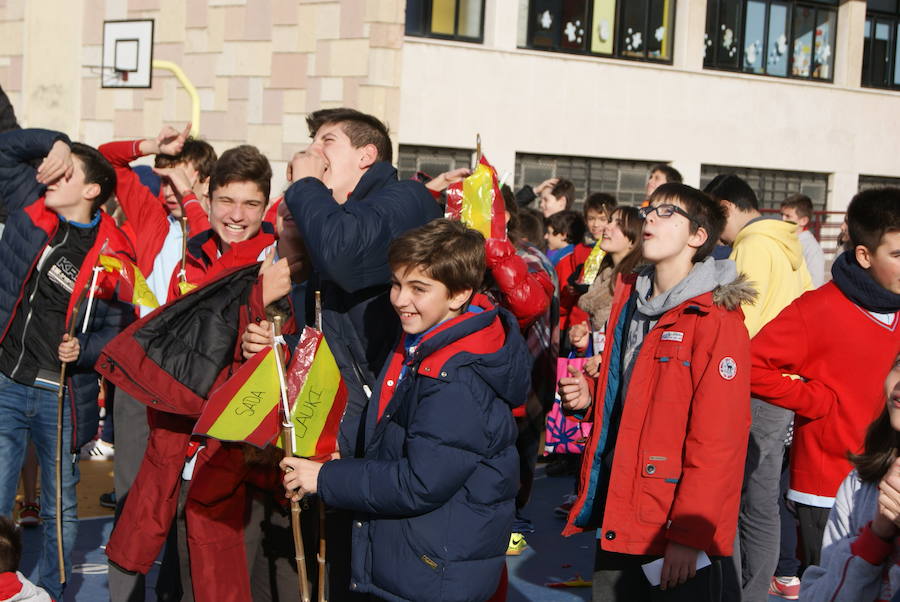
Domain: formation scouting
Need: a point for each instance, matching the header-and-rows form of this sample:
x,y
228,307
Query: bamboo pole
x,y
287,434
60,395
321,556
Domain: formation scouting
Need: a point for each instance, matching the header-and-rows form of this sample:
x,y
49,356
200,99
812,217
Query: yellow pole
x,y
188,87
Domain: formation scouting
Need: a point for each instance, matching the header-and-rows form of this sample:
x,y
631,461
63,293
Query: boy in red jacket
x,y
829,337
662,467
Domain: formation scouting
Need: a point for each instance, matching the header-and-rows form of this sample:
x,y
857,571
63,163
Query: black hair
x,y
731,188
601,203
10,545
706,212
97,170
361,128
569,223
872,214
671,174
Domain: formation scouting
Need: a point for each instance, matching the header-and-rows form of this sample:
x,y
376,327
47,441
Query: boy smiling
x,y
434,493
661,475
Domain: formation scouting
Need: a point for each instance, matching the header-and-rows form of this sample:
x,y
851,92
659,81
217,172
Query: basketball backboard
x,y
127,54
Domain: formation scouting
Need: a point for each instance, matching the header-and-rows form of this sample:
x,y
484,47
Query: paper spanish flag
x,y
246,407
132,284
478,202
592,265
317,396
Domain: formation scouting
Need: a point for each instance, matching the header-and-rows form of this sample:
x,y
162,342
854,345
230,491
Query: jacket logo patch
x,y
63,274
671,335
727,368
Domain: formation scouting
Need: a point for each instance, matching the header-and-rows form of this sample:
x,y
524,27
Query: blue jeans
x,y
25,412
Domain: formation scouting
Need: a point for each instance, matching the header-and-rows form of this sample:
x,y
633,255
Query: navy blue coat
x,y
29,227
435,492
348,245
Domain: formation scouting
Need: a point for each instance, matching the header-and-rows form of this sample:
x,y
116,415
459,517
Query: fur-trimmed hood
x,y
719,277
732,295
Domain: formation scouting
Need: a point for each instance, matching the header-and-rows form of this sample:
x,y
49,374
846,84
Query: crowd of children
x,y
694,344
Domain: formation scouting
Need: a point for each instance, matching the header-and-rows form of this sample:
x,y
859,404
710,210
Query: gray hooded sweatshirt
x,y
704,277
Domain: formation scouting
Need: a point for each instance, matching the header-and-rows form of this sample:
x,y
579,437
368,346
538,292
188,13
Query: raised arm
x,y
20,183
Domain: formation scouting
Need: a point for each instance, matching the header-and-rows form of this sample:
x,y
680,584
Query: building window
x,y
868,182
882,42
772,186
431,160
635,29
461,20
770,37
625,180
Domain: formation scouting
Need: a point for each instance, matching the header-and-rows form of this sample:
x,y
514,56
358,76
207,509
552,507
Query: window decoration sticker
x,y
603,30
779,50
574,31
660,33
633,40
752,53
546,19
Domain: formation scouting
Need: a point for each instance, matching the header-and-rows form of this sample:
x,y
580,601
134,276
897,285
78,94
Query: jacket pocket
x,y
660,474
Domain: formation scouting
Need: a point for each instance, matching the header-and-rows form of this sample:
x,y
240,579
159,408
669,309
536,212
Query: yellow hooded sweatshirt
x,y
769,253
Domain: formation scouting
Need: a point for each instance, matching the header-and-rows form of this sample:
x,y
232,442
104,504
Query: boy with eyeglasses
x,y
662,468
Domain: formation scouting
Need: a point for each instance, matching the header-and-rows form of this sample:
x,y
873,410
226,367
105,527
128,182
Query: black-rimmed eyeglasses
x,y
666,210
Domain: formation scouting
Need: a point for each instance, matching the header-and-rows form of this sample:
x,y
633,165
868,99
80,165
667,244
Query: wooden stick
x,y
321,556
477,149
73,325
287,435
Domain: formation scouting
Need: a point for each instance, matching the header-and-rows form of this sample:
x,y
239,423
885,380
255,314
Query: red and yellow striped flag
x,y
317,396
133,286
478,202
245,407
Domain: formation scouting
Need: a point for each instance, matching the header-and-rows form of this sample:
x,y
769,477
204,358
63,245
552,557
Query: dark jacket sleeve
x,y
110,318
348,243
7,114
444,444
18,186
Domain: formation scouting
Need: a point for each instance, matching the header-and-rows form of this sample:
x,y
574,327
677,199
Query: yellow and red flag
x,y
245,407
478,202
317,396
592,265
132,284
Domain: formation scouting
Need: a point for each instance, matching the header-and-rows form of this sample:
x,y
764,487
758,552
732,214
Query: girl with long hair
x,y
860,549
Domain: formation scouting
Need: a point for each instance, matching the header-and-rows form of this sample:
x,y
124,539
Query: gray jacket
x,y
843,577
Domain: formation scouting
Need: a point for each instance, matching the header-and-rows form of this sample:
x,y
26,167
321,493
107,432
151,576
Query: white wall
x,y
559,104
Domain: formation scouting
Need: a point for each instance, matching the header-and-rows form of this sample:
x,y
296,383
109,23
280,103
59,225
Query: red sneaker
x,y
30,515
785,587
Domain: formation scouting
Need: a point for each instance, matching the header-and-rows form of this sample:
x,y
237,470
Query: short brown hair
x,y
800,203
600,202
362,129
10,545
445,250
196,152
242,164
564,189
705,212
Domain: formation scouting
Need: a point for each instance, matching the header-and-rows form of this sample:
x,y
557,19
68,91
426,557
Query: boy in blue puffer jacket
x,y
434,493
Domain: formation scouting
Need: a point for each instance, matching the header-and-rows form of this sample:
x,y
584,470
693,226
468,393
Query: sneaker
x,y
564,508
517,544
97,450
30,515
108,499
785,587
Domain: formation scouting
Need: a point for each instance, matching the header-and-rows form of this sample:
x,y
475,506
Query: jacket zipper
x,y
48,250
114,365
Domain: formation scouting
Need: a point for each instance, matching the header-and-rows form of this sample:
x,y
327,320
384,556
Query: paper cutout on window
x,y
574,31
633,40
660,33
546,19
603,30
751,53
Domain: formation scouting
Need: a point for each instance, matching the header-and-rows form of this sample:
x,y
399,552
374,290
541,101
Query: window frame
x,y
893,19
427,6
617,38
793,5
